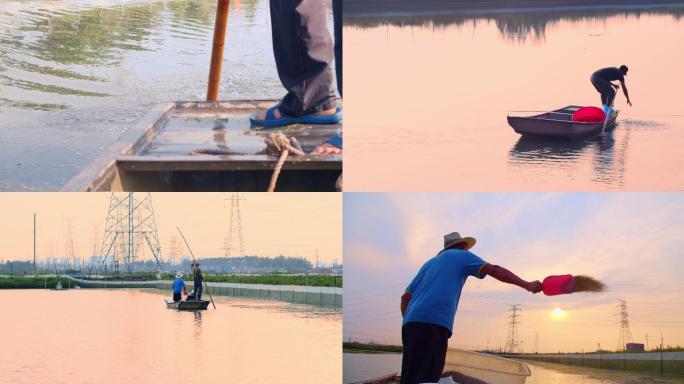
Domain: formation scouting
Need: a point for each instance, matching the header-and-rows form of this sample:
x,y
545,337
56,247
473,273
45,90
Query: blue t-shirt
x,y
178,285
436,289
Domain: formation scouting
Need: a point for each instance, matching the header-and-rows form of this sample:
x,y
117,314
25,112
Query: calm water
x,y
98,336
75,74
433,101
358,367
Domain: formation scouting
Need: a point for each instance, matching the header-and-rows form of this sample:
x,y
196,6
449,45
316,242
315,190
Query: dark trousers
x,y
198,290
177,296
605,89
425,347
303,50
337,19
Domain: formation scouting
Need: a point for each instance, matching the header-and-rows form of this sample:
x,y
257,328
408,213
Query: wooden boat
x,y
187,305
208,146
466,367
559,124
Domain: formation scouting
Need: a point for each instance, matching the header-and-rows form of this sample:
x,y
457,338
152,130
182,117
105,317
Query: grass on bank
x,y
16,282
33,282
270,278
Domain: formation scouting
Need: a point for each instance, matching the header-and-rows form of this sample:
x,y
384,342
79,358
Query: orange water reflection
x,y
430,99
97,336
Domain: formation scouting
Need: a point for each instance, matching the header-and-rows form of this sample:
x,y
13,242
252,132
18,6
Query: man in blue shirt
x,y
429,305
178,287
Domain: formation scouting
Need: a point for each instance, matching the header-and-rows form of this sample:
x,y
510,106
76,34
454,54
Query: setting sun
x,y
558,314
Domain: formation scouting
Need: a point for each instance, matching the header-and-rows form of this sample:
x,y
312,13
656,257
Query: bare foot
x,y
327,149
278,115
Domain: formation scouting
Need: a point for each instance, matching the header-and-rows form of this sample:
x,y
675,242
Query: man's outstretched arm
x,y
624,90
504,275
405,298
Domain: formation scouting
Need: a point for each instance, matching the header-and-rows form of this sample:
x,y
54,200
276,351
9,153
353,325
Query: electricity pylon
x,y
172,250
234,225
69,249
512,343
625,333
130,223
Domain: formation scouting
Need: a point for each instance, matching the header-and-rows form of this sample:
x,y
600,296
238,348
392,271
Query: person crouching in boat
x,y
602,81
430,301
197,278
178,287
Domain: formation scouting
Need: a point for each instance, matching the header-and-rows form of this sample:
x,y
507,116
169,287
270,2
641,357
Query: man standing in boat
x,y
178,287
602,81
429,305
197,279
304,52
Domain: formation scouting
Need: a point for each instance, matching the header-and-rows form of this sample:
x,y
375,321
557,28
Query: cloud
x,y
632,241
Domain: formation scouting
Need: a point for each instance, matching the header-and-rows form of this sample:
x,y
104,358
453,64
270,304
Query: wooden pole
x,y
34,244
193,259
217,50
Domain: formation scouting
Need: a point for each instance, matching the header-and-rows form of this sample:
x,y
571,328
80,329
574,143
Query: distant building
x,y
635,347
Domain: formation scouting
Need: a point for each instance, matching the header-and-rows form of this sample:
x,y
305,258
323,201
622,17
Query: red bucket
x,y
589,115
558,285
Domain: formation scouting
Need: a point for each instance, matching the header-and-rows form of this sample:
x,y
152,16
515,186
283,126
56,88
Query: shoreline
x,y
398,8
317,296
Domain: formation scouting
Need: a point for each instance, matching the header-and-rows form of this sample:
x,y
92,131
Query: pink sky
x,y
631,241
292,224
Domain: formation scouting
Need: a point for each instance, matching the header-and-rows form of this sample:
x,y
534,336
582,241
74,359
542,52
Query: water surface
x,y
75,74
129,336
433,101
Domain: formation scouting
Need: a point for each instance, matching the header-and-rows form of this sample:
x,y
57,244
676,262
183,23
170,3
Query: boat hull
x,y
468,367
187,305
208,147
484,368
558,124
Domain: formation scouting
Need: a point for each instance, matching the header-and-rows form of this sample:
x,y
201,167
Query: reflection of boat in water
x,y
208,146
187,305
559,124
533,148
466,367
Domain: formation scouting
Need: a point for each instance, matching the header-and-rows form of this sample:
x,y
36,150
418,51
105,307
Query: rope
x,y
277,144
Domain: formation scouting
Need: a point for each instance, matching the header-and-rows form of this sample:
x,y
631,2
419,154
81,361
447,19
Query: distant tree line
x,y
232,265
246,264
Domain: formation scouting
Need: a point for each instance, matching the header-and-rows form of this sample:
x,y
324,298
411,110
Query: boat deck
x,y
559,124
207,146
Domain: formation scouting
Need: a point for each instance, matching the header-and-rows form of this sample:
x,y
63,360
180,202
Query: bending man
x,y
602,81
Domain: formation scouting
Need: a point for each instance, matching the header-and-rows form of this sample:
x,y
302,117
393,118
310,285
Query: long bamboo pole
x,y
193,259
222,11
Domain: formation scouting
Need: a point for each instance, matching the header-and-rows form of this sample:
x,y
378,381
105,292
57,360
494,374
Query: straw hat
x,y
453,238
179,275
